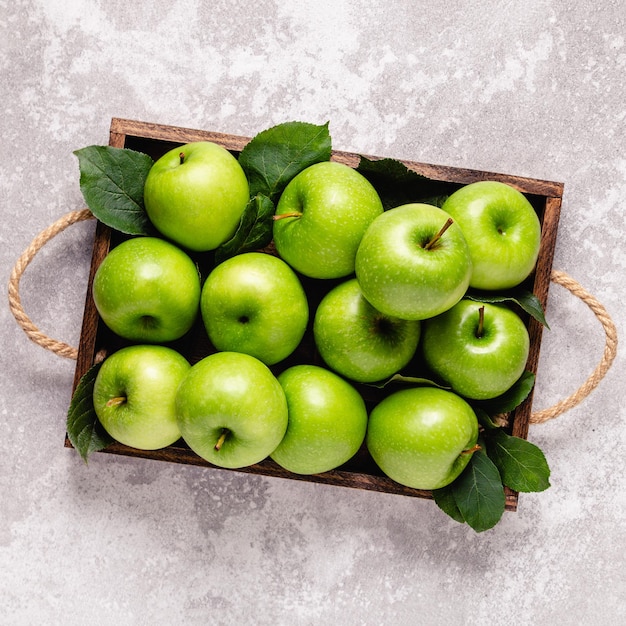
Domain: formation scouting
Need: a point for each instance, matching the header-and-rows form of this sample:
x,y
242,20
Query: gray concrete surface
x,y
534,89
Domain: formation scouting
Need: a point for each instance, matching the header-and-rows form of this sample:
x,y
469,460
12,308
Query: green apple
x,y
254,303
422,437
196,194
134,395
413,262
502,231
479,349
147,289
231,409
358,341
321,217
327,420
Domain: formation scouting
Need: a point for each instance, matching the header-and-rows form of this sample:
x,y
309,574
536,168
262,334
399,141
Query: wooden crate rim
x,y
163,132
550,191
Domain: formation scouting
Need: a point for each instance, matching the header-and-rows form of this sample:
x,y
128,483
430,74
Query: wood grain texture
x,y
360,472
145,130
91,320
464,176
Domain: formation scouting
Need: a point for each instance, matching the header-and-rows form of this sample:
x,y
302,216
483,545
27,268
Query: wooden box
x,y
360,472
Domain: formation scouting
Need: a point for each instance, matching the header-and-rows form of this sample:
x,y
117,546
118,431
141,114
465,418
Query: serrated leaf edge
x,y
104,213
537,453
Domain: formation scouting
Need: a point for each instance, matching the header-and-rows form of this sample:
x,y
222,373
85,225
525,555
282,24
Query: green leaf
x,y
522,465
525,299
84,430
479,493
484,419
396,184
510,399
254,230
112,182
445,500
274,156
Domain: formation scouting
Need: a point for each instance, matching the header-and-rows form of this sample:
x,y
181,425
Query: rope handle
x,y
561,278
15,302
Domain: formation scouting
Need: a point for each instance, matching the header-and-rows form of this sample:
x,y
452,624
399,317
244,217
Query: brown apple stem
x,y
117,401
282,216
481,322
471,450
437,237
181,156
222,439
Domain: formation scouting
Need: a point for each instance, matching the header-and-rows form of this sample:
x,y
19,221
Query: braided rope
x,y
561,278
610,350
15,303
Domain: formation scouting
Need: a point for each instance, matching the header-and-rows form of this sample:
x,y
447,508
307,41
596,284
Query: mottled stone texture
x,y
529,88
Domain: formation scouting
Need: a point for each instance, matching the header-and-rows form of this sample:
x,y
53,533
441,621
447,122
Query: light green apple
x,y
254,303
134,395
231,410
321,217
480,350
327,420
422,437
148,290
358,341
195,195
502,230
413,262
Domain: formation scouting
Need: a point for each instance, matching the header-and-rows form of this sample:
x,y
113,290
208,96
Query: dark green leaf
x,y
512,398
409,380
84,430
112,181
274,156
479,493
445,500
521,464
484,419
525,299
396,184
254,230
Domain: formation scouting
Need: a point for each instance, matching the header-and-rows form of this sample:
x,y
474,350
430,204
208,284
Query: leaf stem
x,y
222,439
471,450
284,215
117,401
481,322
433,242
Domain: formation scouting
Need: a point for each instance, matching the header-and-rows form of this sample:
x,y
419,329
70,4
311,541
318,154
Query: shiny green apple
x,y
195,195
413,262
358,341
327,420
254,303
422,437
231,410
480,354
502,230
321,217
134,395
148,290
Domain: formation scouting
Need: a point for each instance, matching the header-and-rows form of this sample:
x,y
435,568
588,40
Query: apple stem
x,y
282,216
117,401
181,156
481,322
433,242
471,450
222,439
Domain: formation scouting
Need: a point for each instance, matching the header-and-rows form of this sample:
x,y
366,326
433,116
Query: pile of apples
x,y
393,290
